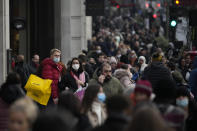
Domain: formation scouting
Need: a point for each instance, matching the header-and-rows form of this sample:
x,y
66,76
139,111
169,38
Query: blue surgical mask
x,y
183,102
101,97
56,59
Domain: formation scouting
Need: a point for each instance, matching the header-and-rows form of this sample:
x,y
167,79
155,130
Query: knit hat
x,y
157,57
144,86
175,117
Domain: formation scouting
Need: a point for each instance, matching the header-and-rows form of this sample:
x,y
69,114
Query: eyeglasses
x,y
106,71
57,55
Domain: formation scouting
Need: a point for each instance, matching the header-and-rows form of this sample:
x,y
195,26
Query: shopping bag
x,y
80,93
38,89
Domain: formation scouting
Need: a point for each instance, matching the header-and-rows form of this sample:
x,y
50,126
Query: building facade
x,y
45,24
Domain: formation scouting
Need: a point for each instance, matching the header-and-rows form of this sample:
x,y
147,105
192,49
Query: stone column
x,y
72,28
88,27
4,38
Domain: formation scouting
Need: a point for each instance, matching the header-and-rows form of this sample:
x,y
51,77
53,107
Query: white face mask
x,y
119,55
75,66
98,51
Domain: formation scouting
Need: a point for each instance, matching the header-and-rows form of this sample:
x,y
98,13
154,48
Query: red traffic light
x,y
117,6
155,16
147,5
158,5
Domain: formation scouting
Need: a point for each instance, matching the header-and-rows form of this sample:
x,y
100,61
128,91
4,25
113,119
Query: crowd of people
x,y
128,82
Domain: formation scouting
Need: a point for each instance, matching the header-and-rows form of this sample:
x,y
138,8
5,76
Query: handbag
x,y
80,91
38,89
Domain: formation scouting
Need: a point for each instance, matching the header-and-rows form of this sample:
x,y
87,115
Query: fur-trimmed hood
x,y
120,73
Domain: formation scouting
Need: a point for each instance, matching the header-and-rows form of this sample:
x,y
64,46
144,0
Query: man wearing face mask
x,y
51,69
103,76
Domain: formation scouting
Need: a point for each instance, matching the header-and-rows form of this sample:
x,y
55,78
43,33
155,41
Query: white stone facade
x,y
4,37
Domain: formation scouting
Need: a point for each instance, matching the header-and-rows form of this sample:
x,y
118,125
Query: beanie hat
x,y
143,86
175,117
157,57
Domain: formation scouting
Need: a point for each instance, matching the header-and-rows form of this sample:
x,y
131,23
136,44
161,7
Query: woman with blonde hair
x,y
23,112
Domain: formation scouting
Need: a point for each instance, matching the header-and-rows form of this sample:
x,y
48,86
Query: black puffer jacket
x,y
69,81
156,72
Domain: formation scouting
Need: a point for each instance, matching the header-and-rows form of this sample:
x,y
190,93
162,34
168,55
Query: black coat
x,y
33,67
156,72
68,80
83,123
89,69
23,70
115,122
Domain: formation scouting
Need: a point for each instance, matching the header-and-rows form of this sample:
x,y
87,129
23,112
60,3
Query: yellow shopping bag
x,y
38,89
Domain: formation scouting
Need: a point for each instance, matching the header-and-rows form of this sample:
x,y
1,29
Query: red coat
x,y
52,71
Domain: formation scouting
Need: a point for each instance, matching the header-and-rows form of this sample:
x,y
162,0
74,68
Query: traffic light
x,y
154,16
147,5
173,16
173,23
177,2
117,6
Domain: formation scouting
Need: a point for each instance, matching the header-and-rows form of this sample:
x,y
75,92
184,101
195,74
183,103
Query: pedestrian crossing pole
x,y
167,18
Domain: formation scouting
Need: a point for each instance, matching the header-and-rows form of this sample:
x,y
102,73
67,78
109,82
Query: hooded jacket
x,y
111,87
125,78
193,79
52,71
144,65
